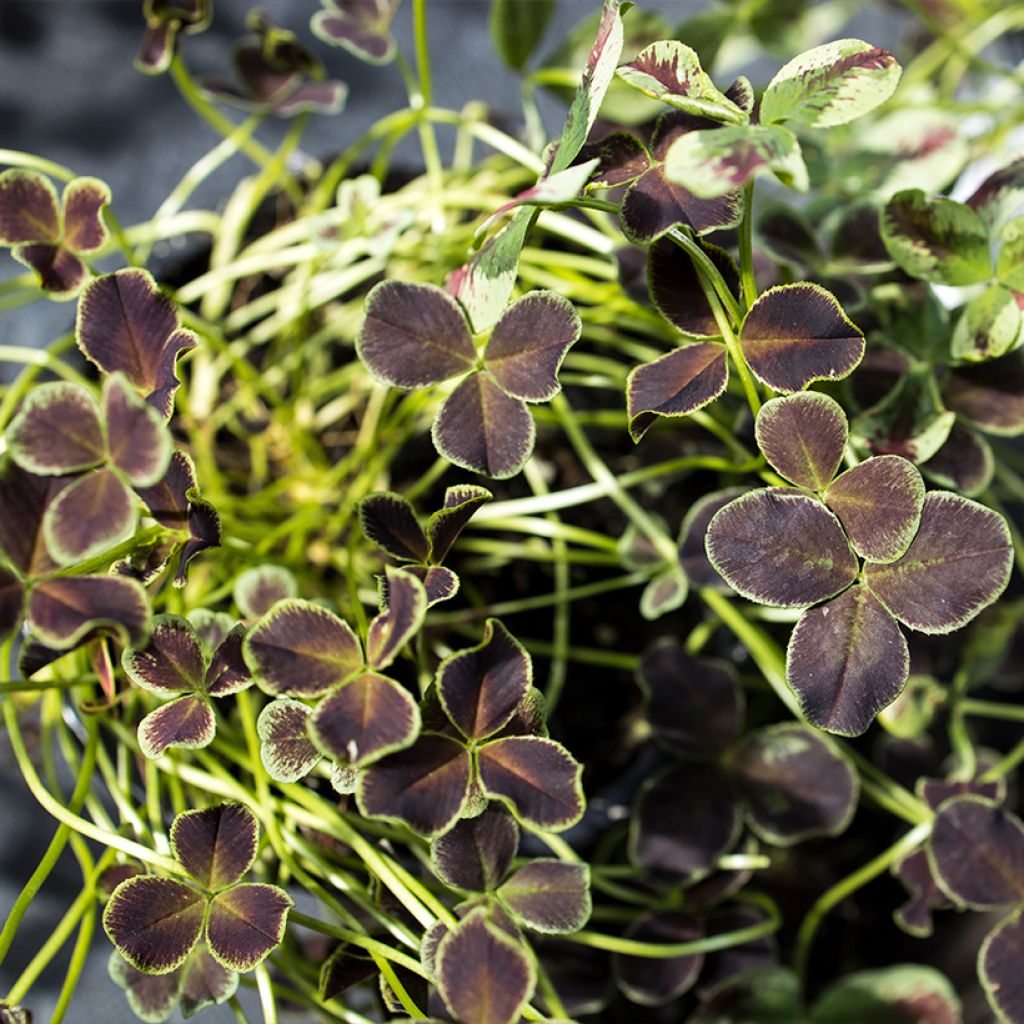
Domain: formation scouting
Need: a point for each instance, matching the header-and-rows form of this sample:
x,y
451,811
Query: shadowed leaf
x,y
205,983
548,896
152,997
905,994
138,442
675,384
804,437
12,599
388,520
61,611
666,591
448,522
344,969
28,208
958,563
537,777
477,852
258,589
798,333
154,922
301,649
91,515
24,499
361,26
517,28
935,792
915,916
999,961
57,430
59,271
797,786
172,661
246,923
655,982
767,995
675,287
286,750
991,396
976,852
186,722
623,158
964,463
389,631
481,428
216,845
779,548
846,661
228,672
692,554
481,688
82,208
364,719
425,785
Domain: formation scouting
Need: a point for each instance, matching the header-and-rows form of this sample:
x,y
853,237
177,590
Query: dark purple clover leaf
x,y
12,601
485,976
392,628
287,752
847,660
477,852
258,589
138,442
685,818
82,208
363,27
621,157
666,591
536,777
528,344
217,845
28,208
999,961
905,994
389,521
227,672
426,786
831,84
480,688
964,463
797,786
976,852
879,503
780,548
676,289
89,516
448,522
548,896
650,982
439,583
694,705
24,499
798,333
57,430
301,649
915,916
165,19
64,610
989,326
693,558
936,239
365,719
991,395
154,922
187,721
124,323
152,997
958,563
803,437
344,969
245,924
935,792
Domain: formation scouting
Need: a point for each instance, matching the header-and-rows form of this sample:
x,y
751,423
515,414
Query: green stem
x,y
746,232
992,709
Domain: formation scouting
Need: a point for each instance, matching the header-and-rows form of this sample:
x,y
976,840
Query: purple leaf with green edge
x,y
548,896
216,845
28,208
138,441
187,722
879,503
258,589
476,853
301,650
482,429
205,982
685,818
425,785
24,499
958,563
246,924
989,326
537,777
691,544
788,237
767,995
936,239
831,84
676,290
623,158
228,673
146,562
990,396
440,584
484,976
365,719
670,71
694,705
480,688
796,784
57,430
447,523
287,752
124,323
915,915
976,852
665,592
675,384
904,994
361,26
798,333
392,629
529,717
152,997
59,272
345,968
205,533
94,513
847,660
965,462
655,982
157,48
803,437
780,548
82,208
389,522
154,922
716,162
935,792
529,343
171,663
1000,195
999,961
211,627
12,602
414,335
63,610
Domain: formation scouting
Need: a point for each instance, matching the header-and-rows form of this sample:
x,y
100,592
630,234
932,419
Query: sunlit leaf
x,y
363,27
804,437
392,629
82,208
999,961
28,208
477,852
63,610
988,327
991,395
217,845
388,520
91,515
172,661
904,994
548,896
1000,195
287,752
448,522
186,722
246,923
676,289
655,982
57,430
